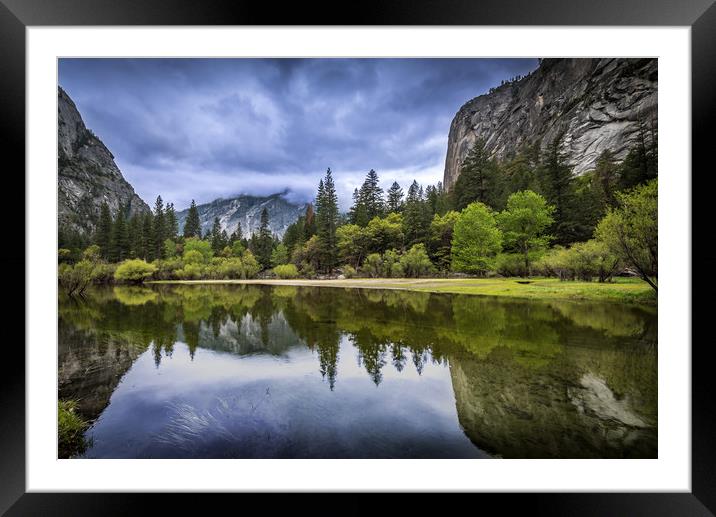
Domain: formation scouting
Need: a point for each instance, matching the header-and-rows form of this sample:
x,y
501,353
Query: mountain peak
x,y
245,211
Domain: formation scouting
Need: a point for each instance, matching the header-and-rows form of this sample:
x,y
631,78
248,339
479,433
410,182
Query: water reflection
x,y
254,371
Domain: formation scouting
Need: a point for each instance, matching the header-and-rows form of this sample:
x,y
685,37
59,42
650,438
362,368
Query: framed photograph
x,y
419,253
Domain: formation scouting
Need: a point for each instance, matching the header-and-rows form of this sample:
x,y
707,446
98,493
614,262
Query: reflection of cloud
x,y
204,128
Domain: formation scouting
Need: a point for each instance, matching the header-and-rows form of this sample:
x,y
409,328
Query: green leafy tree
x,y
441,233
524,223
384,233
631,230
279,255
352,241
415,262
202,247
476,239
192,225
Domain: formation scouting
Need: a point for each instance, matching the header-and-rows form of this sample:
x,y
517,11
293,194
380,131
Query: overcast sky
x,y
208,128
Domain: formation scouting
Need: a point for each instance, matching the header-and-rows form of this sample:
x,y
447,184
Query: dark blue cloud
x,y
206,128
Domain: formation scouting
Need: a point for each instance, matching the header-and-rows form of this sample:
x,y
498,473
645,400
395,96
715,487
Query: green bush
x,y
349,271
103,273
193,257
231,268
134,271
251,266
373,265
167,268
191,271
416,263
75,278
286,271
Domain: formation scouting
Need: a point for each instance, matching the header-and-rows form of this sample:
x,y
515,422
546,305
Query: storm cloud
x,y
207,128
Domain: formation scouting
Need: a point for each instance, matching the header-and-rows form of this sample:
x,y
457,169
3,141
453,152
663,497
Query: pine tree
x,y
368,201
263,241
120,239
395,198
159,228
327,222
556,183
192,225
218,240
103,235
478,178
172,225
309,225
135,236
148,237
416,216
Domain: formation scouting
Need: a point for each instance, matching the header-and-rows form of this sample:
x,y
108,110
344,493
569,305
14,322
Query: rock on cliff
x,y
596,103
87,174
245,211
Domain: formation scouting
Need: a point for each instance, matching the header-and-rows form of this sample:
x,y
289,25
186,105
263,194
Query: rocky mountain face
x,y
596,104
87,174
245,211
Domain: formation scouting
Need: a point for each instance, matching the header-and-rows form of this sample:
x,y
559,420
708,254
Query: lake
x,y
250,371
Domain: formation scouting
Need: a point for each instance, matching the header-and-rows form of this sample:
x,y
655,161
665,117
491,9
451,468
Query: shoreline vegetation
x,y
566,236
624,290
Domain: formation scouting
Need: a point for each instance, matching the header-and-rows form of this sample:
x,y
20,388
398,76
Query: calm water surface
x,y
253,371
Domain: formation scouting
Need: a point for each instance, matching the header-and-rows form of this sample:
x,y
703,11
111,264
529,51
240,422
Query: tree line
x,y
516,217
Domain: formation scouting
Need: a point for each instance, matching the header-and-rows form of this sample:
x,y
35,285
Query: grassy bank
x,y
630,290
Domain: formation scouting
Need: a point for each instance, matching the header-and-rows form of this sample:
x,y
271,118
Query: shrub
x,y
166,269
134,271
231,268
191,271
286,271
193,257
415,262
103,273
92,253
307,270
64,255
349,271
373,265
75,279
70,430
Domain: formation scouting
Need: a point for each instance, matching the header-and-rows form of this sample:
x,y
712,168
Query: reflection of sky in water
x,y
223,405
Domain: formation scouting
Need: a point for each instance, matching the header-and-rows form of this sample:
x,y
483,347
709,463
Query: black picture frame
x,y
700,15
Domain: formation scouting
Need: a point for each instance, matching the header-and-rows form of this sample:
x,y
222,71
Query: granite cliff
x,y
87,174
596,104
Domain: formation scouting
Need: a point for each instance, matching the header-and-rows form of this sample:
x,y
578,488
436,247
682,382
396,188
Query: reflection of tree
x,y
517,367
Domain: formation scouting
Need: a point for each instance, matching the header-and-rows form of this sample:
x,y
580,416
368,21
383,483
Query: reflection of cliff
x,y
91,366
559,411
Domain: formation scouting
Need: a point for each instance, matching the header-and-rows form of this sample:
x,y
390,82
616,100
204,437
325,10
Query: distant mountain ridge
x,y
245,211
